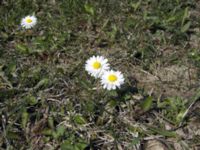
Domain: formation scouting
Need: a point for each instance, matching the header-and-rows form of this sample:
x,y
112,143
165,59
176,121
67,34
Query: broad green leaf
x,y
47,132
55,135
79,119
146,105
61,130
113,93
136,5
112,103
90,106
22,49
11,67
31,100
67,145
185,27
81,146
89,9
43,82
51,122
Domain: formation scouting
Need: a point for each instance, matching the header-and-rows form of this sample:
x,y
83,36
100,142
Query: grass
x,y
48,101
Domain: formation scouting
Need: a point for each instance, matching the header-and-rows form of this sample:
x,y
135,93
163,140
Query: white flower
x,y
29,22
112,79
96,65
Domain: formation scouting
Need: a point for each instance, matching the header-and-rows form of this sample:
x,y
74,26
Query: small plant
x,y
173,109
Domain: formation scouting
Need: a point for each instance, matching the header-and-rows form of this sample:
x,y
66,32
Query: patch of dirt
x,y
175,80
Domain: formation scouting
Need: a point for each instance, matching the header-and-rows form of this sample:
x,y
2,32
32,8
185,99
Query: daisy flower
x,y
96,65
112,79
28,22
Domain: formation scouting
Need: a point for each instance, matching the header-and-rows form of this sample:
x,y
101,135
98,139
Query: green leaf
x,y
180,116
43,82
55,135
22,49
113,33
90,106
24,119
13,135
67,145
11,67
112,103
51,122
81,146
163,132
112,93
146,105
185,27
185,15
79,119
89,9
135,141
136,5
47,132
61,130
78,144
31,100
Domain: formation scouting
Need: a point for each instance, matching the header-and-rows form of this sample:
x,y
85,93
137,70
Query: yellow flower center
x,y
28,20
96,65
112,78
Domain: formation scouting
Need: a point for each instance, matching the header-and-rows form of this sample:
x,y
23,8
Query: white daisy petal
x,y
96,65
29,22
112,80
